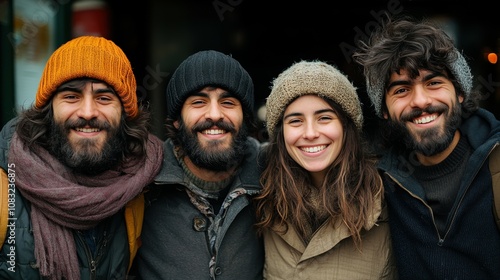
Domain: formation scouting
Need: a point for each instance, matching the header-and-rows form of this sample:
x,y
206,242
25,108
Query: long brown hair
x,y
349,191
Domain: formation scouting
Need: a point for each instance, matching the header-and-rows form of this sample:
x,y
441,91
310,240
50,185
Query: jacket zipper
x,y
91,261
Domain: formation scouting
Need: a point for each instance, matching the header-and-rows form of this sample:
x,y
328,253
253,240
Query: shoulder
x,y
5,136
253,147
253,144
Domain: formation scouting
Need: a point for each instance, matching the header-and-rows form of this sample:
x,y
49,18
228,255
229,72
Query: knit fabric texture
x,y
311,77
209,68
459,68
90,57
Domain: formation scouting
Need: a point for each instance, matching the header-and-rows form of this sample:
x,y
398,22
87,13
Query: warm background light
x,y
492,58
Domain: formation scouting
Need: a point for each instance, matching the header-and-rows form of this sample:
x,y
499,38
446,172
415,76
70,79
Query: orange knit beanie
x,y
90,57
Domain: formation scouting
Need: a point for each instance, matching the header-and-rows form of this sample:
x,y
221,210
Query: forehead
x,y
80,83
307,102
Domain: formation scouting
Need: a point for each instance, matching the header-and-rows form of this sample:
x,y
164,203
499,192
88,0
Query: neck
x,y
318,178
206,174
437,158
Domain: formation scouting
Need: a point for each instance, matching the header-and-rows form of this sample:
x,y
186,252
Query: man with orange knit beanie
x,y
73,167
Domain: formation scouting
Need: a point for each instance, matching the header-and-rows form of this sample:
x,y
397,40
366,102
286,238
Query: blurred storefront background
x,y
266,37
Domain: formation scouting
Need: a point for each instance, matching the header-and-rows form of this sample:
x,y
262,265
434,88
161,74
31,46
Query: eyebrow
x,y
69,88
409,81
315,113
104,90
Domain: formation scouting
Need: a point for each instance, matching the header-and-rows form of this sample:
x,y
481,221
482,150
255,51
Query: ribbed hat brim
x,y
311,77
90,57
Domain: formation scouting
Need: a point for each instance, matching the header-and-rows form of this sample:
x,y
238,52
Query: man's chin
x,y
90,144
216,145
74,138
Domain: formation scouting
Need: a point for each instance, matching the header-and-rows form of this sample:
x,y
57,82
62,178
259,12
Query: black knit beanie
x,y
209,68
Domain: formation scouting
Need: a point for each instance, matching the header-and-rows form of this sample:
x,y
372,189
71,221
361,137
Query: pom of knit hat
x,y
311,77
90,57
209,68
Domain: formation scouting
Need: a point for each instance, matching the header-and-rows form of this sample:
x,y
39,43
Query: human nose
x,y
310,130
88,107
420,97
214,112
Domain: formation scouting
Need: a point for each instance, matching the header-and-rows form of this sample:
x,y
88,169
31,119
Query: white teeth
x,y
87,129
213,131
426,119
314,149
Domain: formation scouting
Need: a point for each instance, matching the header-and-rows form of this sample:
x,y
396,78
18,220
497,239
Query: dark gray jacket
x,y
180,242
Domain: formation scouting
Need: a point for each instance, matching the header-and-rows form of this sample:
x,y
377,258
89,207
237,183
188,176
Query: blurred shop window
x,y
39,27
33,42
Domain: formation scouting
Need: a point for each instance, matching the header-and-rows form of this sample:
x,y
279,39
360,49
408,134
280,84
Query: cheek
x,y
290,135
291,150
235,118
61,113
395,109
333,130
114,115
111,115
335,133
190,118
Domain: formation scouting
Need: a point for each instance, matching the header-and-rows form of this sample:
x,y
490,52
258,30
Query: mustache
x,y
418,111
209,124
81,122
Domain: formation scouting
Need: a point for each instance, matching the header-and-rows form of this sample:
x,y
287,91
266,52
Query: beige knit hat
x,y
311,77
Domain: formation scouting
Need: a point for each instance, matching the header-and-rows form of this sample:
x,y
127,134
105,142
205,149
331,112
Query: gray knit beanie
x,y
311,77
459,68
209,68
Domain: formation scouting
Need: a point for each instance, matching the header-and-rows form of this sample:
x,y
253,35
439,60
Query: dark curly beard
x,y
213,157
432,141
86,159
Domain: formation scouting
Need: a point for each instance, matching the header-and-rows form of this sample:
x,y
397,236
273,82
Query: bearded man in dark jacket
x,y
199,219
437,147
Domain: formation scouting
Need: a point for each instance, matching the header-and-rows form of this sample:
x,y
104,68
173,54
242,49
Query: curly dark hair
x,y
34,125
405,43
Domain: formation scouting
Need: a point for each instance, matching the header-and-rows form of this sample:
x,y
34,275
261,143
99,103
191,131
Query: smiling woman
x,y
322,196
313,135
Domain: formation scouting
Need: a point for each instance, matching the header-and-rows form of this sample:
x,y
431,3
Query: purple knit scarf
x,y
63,201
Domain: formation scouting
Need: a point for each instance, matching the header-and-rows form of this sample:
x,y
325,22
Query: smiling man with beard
x,y
199,218
77,162
88,155
437,149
